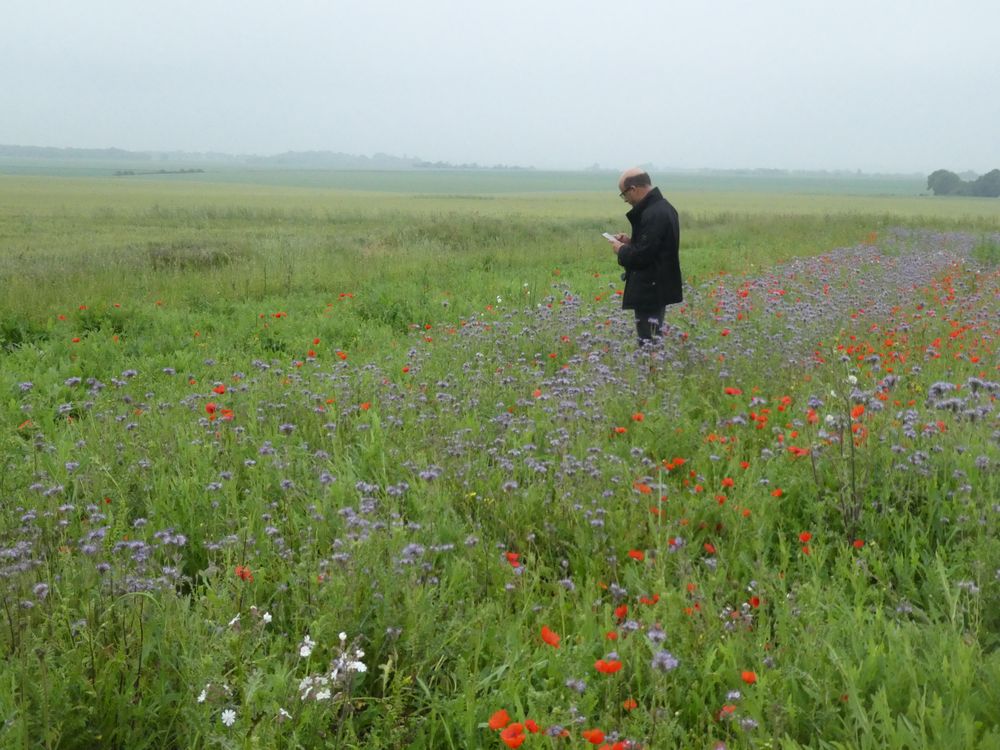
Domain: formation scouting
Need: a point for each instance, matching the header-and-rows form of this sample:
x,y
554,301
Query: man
x,y
650,256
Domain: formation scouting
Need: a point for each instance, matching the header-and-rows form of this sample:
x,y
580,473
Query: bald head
x,y
632,174
634,184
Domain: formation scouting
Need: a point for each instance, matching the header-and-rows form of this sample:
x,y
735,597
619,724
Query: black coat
x,y
651,259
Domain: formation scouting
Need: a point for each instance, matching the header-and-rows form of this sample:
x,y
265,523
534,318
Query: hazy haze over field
x,y
893,85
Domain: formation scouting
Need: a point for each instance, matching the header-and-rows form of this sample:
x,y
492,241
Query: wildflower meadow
x,y
295,468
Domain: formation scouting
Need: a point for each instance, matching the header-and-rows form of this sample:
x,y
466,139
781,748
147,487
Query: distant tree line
x,y
50,152
132,172
473,165
943,182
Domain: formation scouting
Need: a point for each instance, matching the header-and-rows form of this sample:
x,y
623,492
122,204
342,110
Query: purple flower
x,y
664,661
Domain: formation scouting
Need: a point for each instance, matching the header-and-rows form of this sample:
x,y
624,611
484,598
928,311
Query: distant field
x,y
563,193
461,181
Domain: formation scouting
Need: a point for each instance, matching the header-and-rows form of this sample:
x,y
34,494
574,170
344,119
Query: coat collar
x,y
651,197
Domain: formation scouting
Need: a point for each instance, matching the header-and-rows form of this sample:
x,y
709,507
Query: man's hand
x,y
618,241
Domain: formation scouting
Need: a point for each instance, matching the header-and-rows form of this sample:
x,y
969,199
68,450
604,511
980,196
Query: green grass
x,y
987,251
419,420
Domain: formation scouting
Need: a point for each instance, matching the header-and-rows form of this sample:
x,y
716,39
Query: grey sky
x,y
876,85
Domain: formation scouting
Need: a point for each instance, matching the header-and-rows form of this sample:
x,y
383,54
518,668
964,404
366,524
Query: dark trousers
x,y
648,324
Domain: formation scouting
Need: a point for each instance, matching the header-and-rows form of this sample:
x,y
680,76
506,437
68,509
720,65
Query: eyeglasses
x,y
625,192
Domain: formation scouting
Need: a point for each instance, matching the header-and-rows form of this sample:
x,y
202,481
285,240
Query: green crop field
x,y
371,460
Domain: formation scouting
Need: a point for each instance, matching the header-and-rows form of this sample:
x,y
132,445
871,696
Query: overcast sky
x,y
876,85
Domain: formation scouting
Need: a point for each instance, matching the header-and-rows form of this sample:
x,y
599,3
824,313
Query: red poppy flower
x,y
220,389
513,736
858,543
244,573
805,536
730,391
593,736
748,677
499,719
621,611
550,636
637,554
531,726
608,667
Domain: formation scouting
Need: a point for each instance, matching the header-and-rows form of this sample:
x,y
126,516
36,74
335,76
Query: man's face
x,y
628,194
